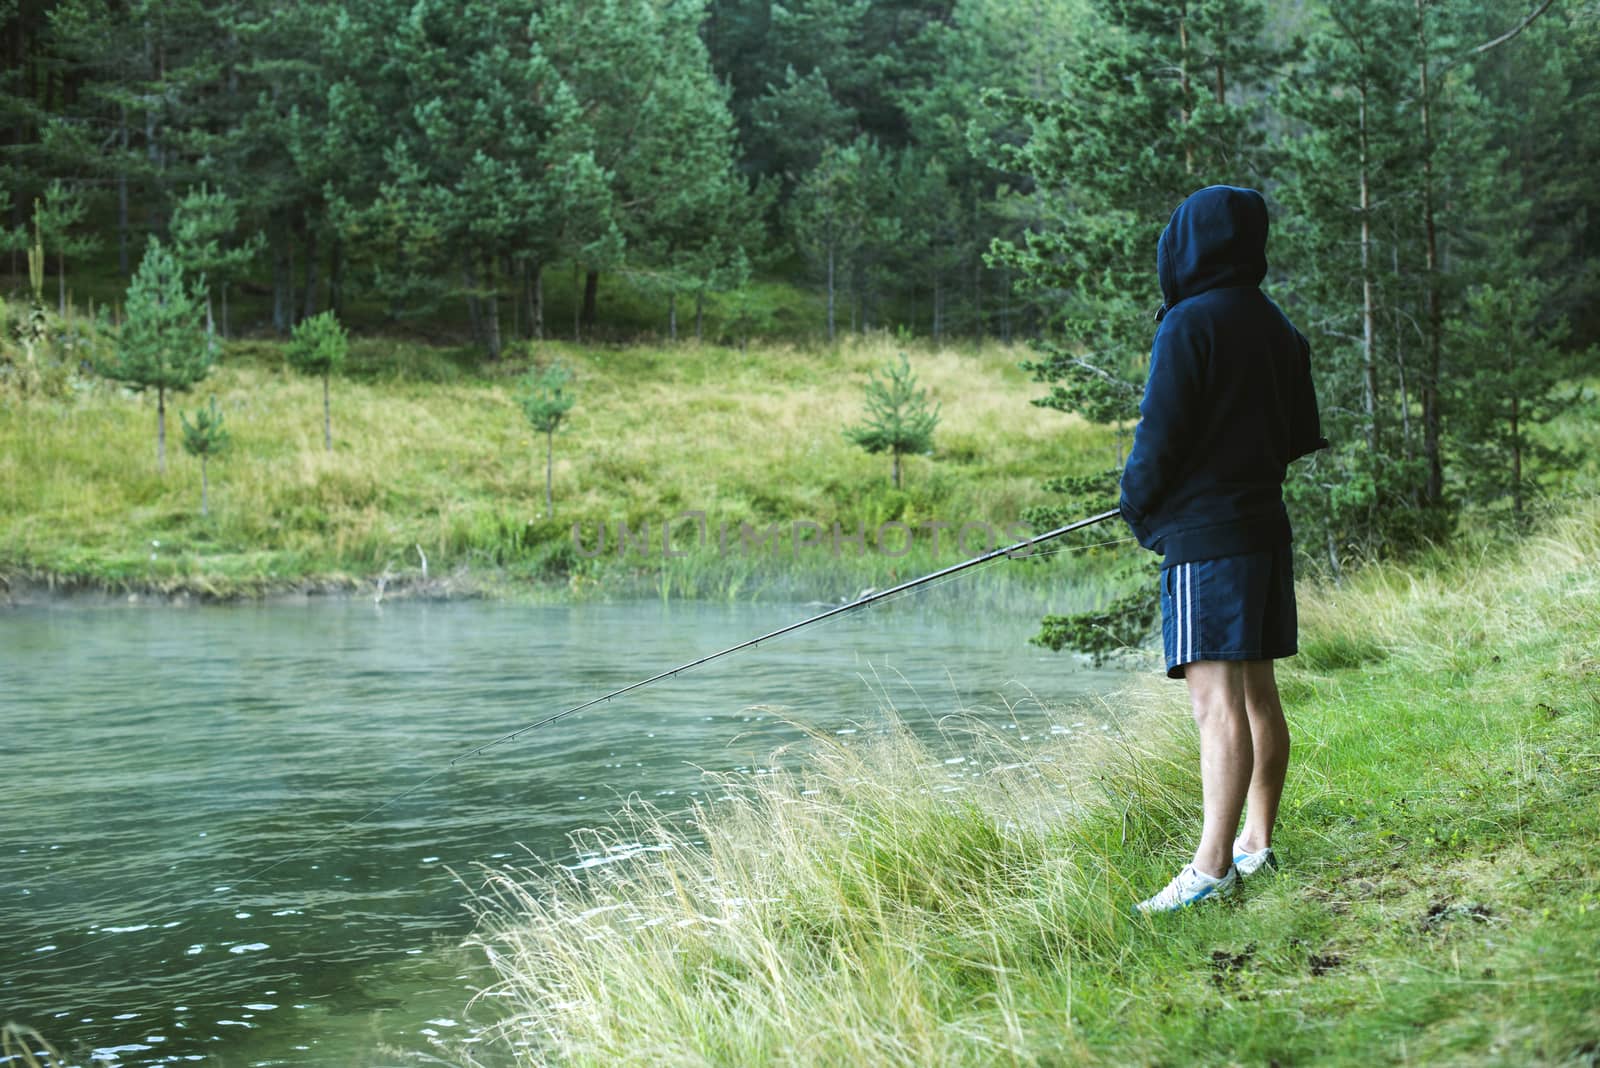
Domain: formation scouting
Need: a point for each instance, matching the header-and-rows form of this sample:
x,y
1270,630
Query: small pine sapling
x,y
162,344
900,417
546,398
205,438
318,346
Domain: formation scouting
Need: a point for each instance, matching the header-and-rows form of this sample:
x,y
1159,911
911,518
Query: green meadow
x,y
435,483
865,904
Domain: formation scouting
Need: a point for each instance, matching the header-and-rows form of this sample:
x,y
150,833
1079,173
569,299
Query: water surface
x,y
183,882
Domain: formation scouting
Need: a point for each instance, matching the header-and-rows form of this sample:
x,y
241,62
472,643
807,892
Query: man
x,y
1229,404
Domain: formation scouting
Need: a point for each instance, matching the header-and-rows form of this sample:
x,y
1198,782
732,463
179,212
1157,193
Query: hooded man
x,y
1229,404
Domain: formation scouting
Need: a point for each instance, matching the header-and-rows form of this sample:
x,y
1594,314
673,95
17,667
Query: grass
x,y
432,459
874,904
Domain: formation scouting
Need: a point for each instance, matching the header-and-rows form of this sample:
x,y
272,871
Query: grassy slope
x,y
449,465
1440,901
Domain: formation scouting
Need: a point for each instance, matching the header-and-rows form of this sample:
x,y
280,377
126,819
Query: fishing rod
x,y
1010,550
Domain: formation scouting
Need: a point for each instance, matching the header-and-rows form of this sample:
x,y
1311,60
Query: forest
x,y
967,170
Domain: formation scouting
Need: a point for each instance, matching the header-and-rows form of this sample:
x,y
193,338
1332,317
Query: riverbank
x,y
884,904
435,483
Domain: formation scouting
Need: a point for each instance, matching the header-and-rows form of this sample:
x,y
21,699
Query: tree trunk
x,y
161,430
151,147
282,284
1516,463
699,315
938,310
61,281
591,293
672,316
977,300
1400,361
536,300
312,265
123,265
336,277
17,222
518,270
205,488
327,415
830,293
1368,349
469,283
17,55
895,467
1183,87
225,310
491,308
1432,417
577,303
1005,307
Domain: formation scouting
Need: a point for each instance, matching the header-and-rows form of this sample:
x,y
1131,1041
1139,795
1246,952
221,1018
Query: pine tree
x,y
703,227
60,217
1134,131
1353,257
487,167
162,344
1010,50
1391,128
900,417
205,438
318,346
1518,371
658,121
545,398
13,239
204,224
840,220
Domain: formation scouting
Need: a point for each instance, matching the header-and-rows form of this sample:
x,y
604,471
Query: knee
x,y
1218,710
1261,691
1267,714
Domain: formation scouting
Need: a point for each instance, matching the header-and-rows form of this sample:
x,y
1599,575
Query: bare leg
x,y
1270,735
1227,756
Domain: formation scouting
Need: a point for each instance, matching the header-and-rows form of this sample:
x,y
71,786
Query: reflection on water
x,y
183,882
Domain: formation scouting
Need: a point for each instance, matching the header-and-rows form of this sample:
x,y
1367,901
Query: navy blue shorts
x,y
1232,608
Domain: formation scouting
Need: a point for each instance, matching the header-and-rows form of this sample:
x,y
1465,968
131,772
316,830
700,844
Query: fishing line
x,y
861,602
1018,550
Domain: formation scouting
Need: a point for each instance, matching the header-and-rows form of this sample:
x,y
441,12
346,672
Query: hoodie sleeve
x,y
1161,440
1306,428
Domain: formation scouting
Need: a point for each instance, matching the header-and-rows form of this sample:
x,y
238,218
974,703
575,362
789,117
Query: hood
x,y
1215,239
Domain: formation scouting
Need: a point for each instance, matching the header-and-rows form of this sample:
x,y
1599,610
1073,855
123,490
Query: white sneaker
x,y
1249,863
1190,887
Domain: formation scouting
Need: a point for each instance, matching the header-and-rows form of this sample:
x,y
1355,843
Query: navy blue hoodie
x,y
1229,402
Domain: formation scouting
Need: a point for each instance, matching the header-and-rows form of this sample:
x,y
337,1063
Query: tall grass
x,y
892,903
26,1048
432,459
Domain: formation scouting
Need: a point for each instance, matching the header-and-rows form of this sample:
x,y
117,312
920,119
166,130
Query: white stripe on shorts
x,y
1177,614
1183,598
1177,611
1188,611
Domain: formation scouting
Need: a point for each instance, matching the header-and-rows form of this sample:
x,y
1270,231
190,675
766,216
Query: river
x,y
185,881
